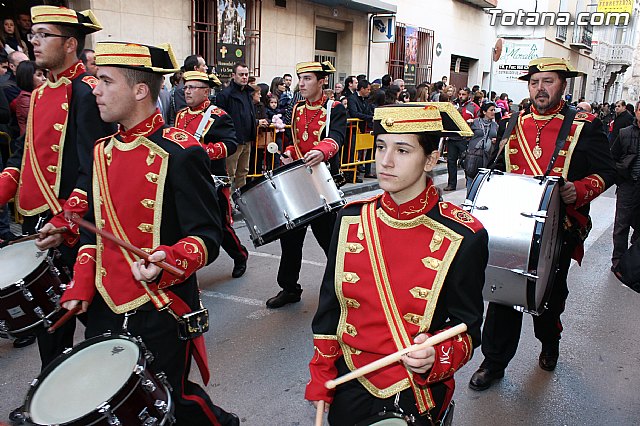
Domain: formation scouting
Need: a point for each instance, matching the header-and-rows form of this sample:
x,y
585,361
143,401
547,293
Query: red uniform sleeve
x,y
9,179
328,147
291,152
588,188
216,150
82,287
450,356
76,204
326,351
189,254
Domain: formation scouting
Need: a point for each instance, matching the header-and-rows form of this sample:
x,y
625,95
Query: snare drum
x,y
286,198
522,215
104,380
31,283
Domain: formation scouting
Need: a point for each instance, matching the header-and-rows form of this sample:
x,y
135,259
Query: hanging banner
x,y
232,19
410,55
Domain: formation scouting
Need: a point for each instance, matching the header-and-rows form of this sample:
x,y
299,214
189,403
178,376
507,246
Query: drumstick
x,y
319,412
54,231
272,147
64,318
127,246
396,356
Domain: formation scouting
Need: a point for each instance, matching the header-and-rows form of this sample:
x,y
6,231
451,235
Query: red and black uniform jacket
x,y
393,272
49,172
584,159
310,119
218,137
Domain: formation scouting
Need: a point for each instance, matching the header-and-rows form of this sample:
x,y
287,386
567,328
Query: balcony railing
x,y
582,36
613,54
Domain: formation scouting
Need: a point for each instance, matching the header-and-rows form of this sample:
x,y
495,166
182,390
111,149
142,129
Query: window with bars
x,y
398,58
205,27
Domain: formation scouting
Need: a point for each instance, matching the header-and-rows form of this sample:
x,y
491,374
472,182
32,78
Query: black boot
x,y
484,378
282,298
549,356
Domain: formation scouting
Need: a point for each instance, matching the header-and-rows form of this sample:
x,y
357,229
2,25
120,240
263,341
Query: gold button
x,y
515,167
352,248
389,122
64,106
348,277
55,148
52,169
59,127
152,177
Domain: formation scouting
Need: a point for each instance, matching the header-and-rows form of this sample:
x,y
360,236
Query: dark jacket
x,y
238,102
360,108
626,145
621,121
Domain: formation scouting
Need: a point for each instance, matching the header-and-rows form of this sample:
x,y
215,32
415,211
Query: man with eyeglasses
x,y
622,119
214,129
49,173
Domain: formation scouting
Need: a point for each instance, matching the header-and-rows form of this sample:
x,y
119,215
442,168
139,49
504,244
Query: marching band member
x,y
218,137
402,266
151,186
585,163
48,173
312,144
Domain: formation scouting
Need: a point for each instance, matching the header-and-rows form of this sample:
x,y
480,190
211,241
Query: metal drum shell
x,y
523,245
288,197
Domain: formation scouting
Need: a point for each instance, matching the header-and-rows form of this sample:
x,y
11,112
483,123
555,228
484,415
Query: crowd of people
x,y
96,134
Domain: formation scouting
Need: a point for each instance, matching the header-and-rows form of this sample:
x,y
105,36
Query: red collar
x,y
414,208
201,107
144,128
320,101
552,111
72,72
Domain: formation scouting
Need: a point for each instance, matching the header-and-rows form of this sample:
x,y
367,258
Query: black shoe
x,y
483,378
16,417
281,299
549,356
449,188
239,268
23,342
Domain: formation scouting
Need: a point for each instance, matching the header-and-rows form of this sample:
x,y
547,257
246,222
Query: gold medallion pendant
x,y
537,152
305,135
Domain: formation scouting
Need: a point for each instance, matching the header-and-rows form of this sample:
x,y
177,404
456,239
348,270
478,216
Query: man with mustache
x,y
588,170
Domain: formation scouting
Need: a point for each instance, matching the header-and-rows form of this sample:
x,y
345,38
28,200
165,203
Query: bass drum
x,y
104,380
286,198
522,215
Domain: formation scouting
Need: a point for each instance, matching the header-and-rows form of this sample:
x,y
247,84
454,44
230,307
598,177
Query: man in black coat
x,y
623,119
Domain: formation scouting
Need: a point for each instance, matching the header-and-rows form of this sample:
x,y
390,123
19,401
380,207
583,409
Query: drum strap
x,y
203,122
569,115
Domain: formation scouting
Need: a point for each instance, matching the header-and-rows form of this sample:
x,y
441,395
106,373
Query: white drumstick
x,y
272,147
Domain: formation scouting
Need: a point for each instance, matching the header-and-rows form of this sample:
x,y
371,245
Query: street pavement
x,y
259,357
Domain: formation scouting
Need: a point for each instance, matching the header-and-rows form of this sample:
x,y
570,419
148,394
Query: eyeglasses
x,y
195,87
41,35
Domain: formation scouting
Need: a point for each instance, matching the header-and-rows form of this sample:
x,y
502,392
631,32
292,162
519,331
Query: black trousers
x,y
230,241
502,325
455,150
291,244
352,403
627,217
159,333
52,345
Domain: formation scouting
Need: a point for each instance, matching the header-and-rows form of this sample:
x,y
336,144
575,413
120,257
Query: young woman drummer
x,y
402,266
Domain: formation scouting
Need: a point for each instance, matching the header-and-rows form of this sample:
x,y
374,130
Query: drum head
x,y
17,261
83,381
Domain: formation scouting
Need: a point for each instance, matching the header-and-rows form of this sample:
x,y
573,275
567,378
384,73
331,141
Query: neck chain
x,y
305,134
537,150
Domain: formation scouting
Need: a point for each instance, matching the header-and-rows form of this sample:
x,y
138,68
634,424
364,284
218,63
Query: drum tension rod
x,y
542,214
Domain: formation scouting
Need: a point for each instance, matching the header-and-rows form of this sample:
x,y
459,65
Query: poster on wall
x,y
232,18
410,55
513,63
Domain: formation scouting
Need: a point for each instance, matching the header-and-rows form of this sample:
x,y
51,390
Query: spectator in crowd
x,y
10,86
435,91
623,118
345,102
444,97
278,89
457,145
88,58
10,37
391,95
584,106
330,94
631,109
422,92
385,81
337,90
475,88
359,107
625,151
237,101
24,28
4,65
361,77
444,79
270,109
399,83
29,77
350,85
288,94
502,103
478,98
413,93
485,131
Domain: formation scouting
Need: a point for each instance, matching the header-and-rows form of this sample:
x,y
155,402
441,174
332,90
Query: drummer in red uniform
x,y
312,144
402,266
585,163
151,187
214,128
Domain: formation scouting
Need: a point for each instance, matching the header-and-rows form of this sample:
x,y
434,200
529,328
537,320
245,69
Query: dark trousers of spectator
x,y
291,243
159,333
627,217
455,150
502,326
